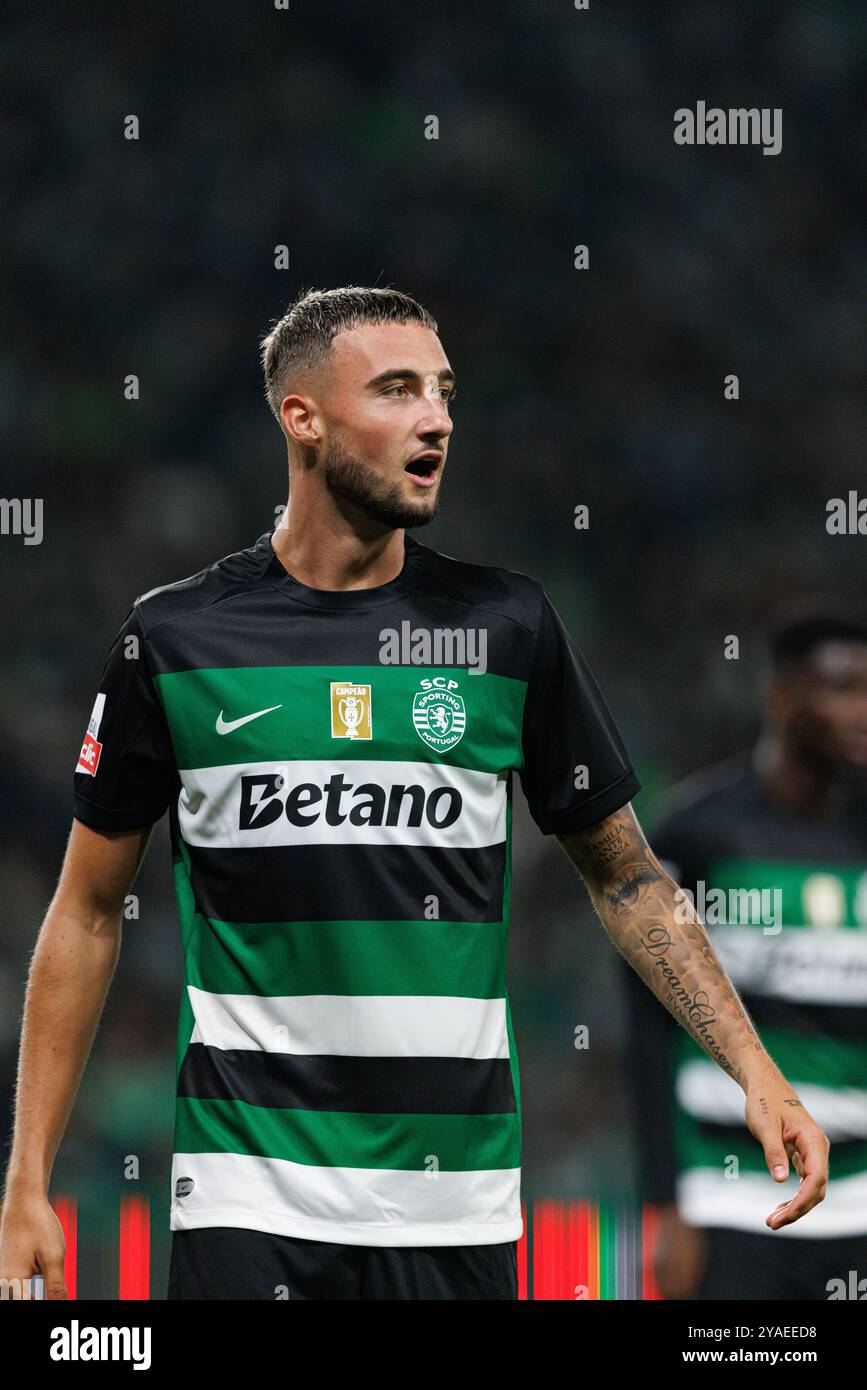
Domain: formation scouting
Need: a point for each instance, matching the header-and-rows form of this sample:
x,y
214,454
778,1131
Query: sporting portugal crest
x,y
439,713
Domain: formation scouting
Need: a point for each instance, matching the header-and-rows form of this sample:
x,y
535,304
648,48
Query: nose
x,y
435,419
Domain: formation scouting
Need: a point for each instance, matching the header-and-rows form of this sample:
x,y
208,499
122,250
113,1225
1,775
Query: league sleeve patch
x,y
88,758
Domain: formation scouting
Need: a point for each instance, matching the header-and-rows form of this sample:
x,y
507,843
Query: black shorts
x,y
747,1264
229,1263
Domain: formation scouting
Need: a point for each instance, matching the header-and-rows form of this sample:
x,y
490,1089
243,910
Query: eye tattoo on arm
x,y
626,891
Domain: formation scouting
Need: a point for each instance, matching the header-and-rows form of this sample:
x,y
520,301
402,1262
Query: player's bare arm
x,y
667,945
70,973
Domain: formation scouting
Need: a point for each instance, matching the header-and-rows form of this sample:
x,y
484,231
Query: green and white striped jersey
x,y
338,770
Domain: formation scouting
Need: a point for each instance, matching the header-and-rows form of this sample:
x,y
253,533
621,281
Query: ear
x,y
298,420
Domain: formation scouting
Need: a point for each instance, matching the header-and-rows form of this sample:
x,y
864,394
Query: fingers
x,y
51,1268
810,1159
795,1159
777,1160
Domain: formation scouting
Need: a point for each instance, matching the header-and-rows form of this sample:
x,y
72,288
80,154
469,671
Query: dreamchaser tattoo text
x,y
696,1008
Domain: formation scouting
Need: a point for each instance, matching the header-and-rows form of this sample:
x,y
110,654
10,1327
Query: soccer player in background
x,y
790,818
332,717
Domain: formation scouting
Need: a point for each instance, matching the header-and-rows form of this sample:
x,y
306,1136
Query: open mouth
x,y
423,469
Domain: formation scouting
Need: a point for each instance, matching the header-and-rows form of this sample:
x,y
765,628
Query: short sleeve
x,y
126,774
576,770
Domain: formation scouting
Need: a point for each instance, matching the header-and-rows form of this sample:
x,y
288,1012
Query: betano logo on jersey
x,y
265,797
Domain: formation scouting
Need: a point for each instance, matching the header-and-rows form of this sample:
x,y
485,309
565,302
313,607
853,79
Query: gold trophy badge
x,y
351,711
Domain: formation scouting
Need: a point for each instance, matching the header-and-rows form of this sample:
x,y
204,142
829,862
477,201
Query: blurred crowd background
x,y
305,127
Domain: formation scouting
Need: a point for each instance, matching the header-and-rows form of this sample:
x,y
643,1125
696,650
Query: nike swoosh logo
x,y
225,726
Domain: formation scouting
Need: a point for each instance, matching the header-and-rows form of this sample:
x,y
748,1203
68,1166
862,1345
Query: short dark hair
x,y
794,642
301,339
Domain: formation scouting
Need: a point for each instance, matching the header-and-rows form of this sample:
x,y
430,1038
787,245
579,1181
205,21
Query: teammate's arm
x,y
70,972
666,944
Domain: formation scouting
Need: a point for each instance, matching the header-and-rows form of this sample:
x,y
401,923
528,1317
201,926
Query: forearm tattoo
x,y
636,901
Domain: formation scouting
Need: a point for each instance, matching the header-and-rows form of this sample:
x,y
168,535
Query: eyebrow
x,y
407,374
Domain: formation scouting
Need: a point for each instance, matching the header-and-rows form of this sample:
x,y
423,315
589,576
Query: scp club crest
x,y
439,713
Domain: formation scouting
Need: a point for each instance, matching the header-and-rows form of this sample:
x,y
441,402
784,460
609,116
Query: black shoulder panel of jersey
x,y
219,580
508,593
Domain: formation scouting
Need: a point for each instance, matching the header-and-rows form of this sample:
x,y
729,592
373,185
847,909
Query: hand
x,y
786,1131
32,1242
680,1255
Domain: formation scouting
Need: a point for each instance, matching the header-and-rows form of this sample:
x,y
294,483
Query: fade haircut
x,y
300,342
794,642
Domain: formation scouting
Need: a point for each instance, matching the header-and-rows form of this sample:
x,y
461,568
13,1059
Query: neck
x,y
330,552
796,783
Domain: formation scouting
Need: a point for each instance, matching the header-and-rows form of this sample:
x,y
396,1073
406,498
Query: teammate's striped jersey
x,y
784,898
338,767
